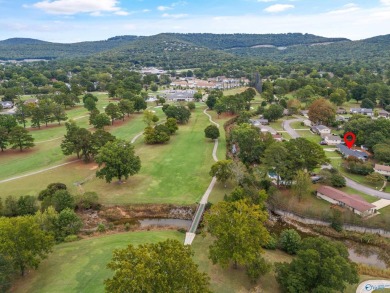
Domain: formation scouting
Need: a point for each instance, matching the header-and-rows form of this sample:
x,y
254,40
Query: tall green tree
x,y
59,113
321,265
222,171
305,154
20,138
239,232
23,242
126,107
3,138
100,120
119,161
302,184
274,112
113,111
278,159
139,104
161,267
8,122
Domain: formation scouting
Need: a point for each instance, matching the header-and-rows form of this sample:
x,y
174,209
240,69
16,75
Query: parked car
x,y
323,142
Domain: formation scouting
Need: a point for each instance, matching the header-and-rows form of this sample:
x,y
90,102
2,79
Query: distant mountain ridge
x,y
21,48
176,50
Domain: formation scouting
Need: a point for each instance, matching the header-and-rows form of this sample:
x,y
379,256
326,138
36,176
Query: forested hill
x,y
21,48
173,50
167,51
24,48
230,41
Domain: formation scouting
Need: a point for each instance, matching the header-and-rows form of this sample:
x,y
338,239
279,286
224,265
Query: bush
x,y
257,268
60,200
68,223
87,200
212,132
127,226
290,241
101,227
191,105
337,180
51,189
71,238
182,230
337,221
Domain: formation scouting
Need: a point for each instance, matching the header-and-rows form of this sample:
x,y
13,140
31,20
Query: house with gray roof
x,y
363,111
347,152
320,129
7,104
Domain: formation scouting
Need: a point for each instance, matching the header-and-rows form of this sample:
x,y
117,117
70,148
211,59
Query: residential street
x,y
350,183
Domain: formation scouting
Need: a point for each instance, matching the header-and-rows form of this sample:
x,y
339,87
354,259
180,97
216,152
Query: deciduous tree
x,y
321,265
321,111
212,132
20,138
239,232
119,161
23,242
222,171
161,267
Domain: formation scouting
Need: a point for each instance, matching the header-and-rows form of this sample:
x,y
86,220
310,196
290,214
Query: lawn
x,y
173,173
298,125
81,266
230,280
176,172
309,135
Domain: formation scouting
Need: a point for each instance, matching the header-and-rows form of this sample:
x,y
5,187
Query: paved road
x,y
350,183
286,126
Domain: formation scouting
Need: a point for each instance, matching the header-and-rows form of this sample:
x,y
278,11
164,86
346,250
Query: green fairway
x,y
173,173
81,266
176,172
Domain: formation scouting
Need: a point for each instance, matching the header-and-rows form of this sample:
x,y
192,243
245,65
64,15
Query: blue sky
x,y
86,20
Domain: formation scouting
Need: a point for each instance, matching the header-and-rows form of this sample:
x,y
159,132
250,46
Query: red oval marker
x,y
349,142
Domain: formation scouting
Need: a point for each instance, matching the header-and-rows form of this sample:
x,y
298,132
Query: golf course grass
x,y
81,266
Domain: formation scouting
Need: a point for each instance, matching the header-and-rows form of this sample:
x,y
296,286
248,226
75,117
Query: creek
x,y
358,252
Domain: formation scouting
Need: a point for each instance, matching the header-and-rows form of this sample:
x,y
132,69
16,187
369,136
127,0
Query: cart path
x,y
190,235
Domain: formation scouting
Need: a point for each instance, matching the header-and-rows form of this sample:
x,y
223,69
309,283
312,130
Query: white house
x,y
320,129
331,139
363,111
350,201
382,169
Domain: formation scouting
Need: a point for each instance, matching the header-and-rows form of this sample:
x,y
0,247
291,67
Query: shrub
x,y
51,189
101,227
71,238
290,241
127,226
337,180
212,132
68,223
257,268
87,200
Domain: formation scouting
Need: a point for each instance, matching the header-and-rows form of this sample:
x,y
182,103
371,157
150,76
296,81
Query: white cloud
x,y
266,1
146,10
70,7
163,8
278,8
347,8
122,13
385,2
180,15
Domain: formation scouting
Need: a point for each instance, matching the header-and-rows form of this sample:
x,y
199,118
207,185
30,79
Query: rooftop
x,y
382,167
351,200
349,152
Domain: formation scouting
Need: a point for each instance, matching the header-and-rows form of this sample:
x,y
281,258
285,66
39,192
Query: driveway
x,y
350,183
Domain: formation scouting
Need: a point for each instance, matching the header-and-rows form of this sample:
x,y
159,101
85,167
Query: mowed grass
x,y
172,173
231,280
81,266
